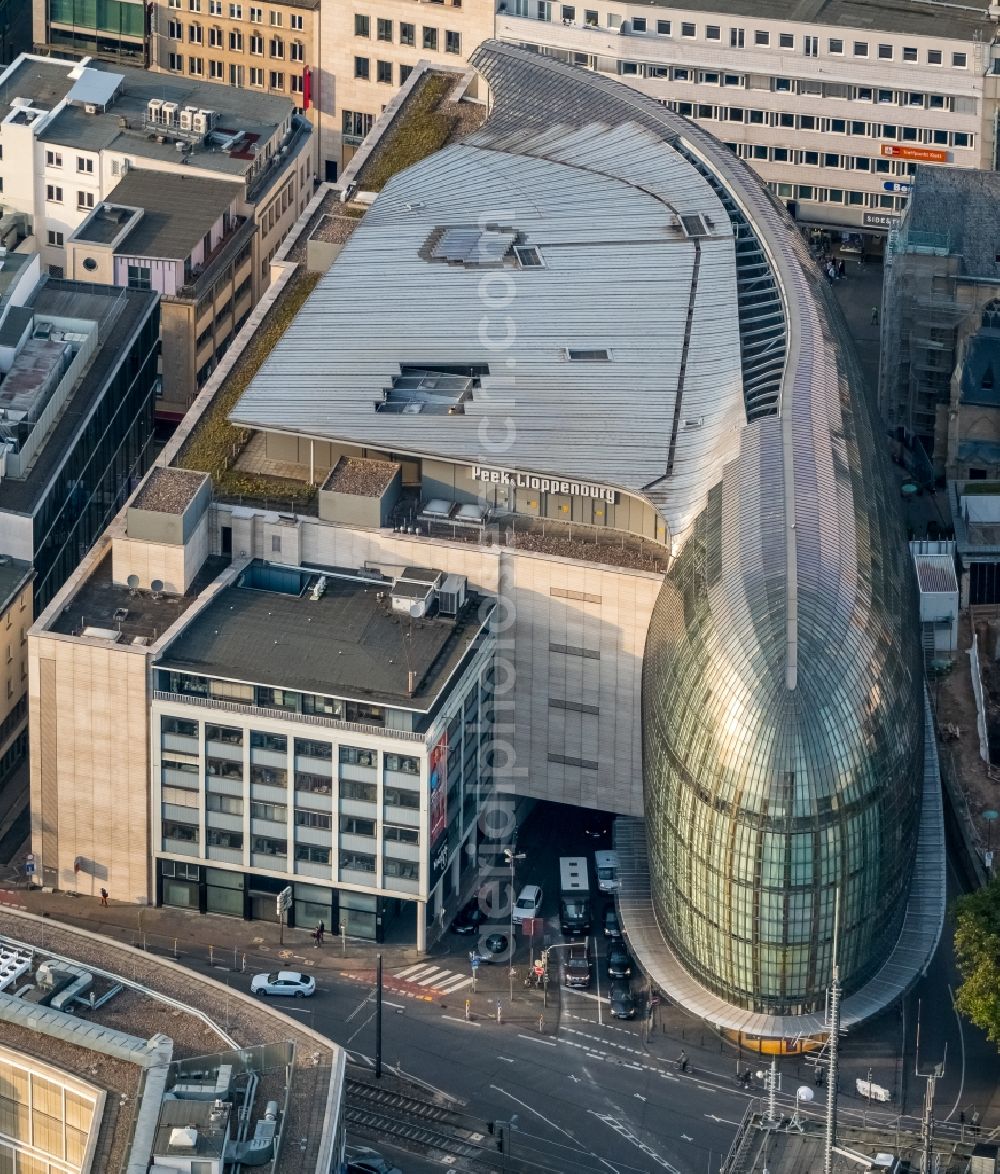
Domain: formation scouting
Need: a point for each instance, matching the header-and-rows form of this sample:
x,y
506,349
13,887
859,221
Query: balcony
x,y
216,263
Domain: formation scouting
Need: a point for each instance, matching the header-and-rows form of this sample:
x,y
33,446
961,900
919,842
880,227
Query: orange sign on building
x,y
917,154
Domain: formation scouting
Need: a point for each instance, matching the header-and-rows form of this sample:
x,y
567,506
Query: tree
x,y
977,948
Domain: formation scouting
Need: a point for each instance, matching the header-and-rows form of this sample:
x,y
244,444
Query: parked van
x,y
606,864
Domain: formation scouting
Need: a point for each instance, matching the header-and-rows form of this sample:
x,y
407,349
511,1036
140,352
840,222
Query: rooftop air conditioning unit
x,y
187,117
169,113
153,109
91,108
203,121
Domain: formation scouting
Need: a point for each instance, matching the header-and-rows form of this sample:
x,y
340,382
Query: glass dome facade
x,y
766,791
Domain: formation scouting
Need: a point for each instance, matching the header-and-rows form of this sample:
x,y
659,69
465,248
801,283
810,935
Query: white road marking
x,y
455,1019
684,1137
551,1043
628,1135
435,976
961,1038
506,1059
573,1076
454,984
412,971
720,1120
638,1096
557,1128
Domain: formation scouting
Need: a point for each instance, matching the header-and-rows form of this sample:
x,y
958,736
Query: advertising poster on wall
x,y
439,808
439,789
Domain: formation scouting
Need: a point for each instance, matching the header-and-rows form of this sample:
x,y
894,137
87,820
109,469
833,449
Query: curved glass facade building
x,y
783,711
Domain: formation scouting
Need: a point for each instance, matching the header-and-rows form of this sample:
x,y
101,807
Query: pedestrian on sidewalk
x,y
874,315
104,898
842,268
320,931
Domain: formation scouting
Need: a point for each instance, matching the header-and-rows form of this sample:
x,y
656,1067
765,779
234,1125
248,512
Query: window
x,y
860,48
295,22
361,792
355,126
404,73
835,45
275,812
961,139
392,834
179,796
277,48
713,32
194,5
404,762
383,72
217,838
277,80
430,38
235,42
933,56
175,30
384,29
362,25
568,13
886,97
173,3
688,29
403,869
84,200
786,41
139,277
195,34
196,66
256,15
53,194
256,76
782,85
256,45
736,38
304,818
268,846
639,24
810,46
275,17
353,756
311,854
807,122
662,28
225,804
362,69
959,60
452,42
185,832
53,159
398,797
357,862
761,37
353,825
407,33
779,154
296,52
57,240
885,52
236,75
235,11
215,38
215,7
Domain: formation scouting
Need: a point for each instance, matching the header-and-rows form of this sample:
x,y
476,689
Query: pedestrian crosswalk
x,y
433,977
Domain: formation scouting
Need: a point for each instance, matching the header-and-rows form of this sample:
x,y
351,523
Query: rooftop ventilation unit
x,y
202,121
528,257
168,113
154,109
187,117
592,355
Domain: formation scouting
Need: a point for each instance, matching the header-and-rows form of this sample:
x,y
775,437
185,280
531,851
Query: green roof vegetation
x,y
982,488
215,443
421,129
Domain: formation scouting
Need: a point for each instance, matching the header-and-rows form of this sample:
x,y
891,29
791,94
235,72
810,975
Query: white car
x,y
285,982
528,903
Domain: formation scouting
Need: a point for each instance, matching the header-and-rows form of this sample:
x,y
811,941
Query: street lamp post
x,y
512,856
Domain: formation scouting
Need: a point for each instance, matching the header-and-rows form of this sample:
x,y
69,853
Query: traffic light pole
x,y
378,1019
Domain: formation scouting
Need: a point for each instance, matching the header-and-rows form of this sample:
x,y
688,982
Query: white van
x,y
606,864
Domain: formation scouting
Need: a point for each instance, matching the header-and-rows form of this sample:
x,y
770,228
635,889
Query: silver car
x,y
285,982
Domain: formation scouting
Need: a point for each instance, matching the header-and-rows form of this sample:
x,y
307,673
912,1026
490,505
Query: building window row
x,y
823,195
430,39
738,37
836,126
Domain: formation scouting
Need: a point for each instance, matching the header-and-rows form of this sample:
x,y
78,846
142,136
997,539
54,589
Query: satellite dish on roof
x,y
132,583
156,587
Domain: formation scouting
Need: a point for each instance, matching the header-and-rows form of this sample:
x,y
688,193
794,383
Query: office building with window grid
x,y
832,111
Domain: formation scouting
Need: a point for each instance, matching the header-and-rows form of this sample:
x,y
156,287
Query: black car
x,y
612,927
577,970
619,961
623,1005
469,918
598,826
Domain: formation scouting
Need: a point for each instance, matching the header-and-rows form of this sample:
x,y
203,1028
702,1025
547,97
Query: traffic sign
x,y
29,867
893,185
539,967
532,926
474,962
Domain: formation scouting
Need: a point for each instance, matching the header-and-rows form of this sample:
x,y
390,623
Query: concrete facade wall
x,y
572,634
175,566
89,722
